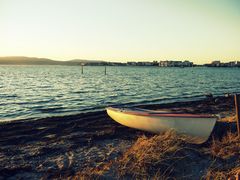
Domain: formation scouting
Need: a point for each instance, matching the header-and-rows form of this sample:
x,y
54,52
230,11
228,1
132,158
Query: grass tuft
x,y
226,158
227,147
153,157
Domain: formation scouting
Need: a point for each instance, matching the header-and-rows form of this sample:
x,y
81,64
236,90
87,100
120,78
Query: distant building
x,y
238,64
220,64
232,64
163,63
216,63
187,64
143,63
131,63
170,63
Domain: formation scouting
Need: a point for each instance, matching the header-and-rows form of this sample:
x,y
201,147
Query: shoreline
x,y
148,105
62,146
145,104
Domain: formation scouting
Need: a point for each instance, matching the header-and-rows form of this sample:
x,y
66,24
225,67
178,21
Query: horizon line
x,y
120,61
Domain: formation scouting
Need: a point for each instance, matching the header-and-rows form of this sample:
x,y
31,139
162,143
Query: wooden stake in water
x,y
236,99
82,68
105,70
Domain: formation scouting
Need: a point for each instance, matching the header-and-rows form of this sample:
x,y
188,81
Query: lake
x,y
32,92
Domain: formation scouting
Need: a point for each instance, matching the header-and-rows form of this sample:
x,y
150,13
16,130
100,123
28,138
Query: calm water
x,y
41,91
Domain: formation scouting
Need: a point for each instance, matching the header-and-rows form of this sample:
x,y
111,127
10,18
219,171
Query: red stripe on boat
x,y
163,114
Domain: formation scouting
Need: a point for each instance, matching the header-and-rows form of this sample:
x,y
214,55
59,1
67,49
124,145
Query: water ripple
x,y
42,91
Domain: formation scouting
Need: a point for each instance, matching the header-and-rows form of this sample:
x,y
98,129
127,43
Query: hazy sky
x,y
121,30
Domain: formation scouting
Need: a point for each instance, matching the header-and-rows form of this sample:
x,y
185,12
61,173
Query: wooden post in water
x,y
105,72
82,68
237,101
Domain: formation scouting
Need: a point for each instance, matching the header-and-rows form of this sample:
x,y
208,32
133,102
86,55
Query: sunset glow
x,y
113,30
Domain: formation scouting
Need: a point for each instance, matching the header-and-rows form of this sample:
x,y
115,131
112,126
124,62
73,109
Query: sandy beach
x,y
72,146
75,75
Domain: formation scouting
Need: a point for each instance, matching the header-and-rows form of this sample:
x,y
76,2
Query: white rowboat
x,y
197,126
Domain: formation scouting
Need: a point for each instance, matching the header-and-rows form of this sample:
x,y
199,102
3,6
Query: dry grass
x,y
229,119
227,147
168,156
223,175
153,158
149,158
93,172
226,157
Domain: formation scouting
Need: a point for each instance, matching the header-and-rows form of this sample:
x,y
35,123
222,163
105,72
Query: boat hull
x,y
197,128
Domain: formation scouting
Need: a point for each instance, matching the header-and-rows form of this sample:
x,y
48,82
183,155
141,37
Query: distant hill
x,y
27,61
86,61
22,60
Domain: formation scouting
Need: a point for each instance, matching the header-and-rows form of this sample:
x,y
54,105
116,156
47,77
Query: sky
x,y
121,30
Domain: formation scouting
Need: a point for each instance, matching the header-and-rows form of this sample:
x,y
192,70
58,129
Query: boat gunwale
x,y
162,114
